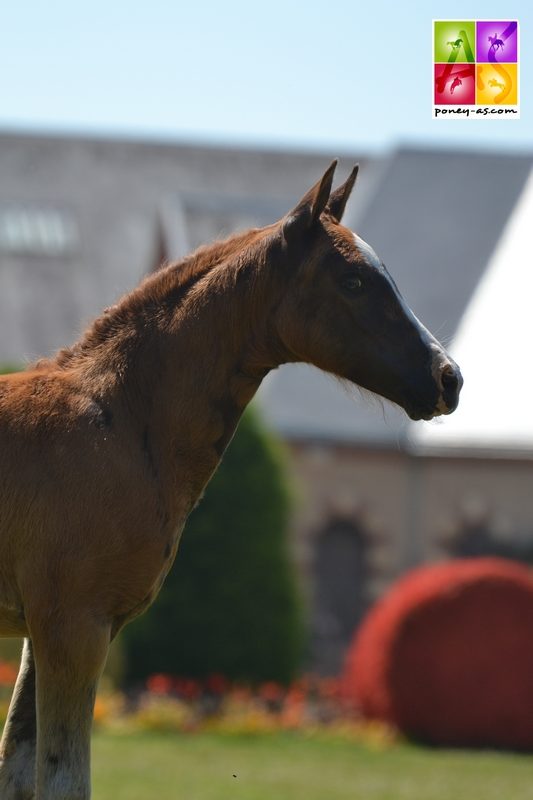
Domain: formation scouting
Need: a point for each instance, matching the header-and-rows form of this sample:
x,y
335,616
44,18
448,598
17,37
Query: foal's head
x,y
342,311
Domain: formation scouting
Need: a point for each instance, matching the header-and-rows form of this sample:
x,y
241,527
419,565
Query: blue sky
x,y
345,75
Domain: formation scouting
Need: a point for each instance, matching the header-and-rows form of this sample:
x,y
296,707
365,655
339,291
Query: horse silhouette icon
x,y
455,83
495,43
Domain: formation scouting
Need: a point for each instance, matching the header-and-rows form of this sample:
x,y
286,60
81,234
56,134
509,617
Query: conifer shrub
x,y
230,604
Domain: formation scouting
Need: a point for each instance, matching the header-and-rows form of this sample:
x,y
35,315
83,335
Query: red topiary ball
x,y
447,655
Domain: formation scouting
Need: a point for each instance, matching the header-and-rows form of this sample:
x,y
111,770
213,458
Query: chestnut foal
x,y
106,448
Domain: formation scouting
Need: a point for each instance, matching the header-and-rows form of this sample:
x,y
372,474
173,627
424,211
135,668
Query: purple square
x,y
497,41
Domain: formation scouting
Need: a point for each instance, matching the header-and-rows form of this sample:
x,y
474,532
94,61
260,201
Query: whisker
x,y
445,339
357,393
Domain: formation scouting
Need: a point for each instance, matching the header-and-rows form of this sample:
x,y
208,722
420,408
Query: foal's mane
x,y
164,288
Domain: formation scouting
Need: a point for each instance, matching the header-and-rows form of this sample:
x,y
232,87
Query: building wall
x,y
459,493
407,510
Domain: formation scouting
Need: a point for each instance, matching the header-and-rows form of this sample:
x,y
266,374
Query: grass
x,y
284,767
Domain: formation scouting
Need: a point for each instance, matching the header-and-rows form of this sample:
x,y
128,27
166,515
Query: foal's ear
x,y
339,198
310,207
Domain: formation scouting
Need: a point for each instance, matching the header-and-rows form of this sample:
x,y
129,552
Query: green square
x,y
455,40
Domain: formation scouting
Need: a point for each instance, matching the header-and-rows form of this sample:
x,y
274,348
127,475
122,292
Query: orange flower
x,y
271,692
8,674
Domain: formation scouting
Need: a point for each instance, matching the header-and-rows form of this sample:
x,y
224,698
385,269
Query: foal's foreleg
x,y
69,660
17,748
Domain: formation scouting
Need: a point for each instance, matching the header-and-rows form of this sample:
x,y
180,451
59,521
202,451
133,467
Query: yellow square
x,y
496,84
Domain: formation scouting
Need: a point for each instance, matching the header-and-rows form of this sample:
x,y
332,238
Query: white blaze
x,y
439,358
367,252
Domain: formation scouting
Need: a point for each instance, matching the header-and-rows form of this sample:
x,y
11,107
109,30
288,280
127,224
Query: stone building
x,y
82,220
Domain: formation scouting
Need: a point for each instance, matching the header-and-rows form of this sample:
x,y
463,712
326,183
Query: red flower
x,y
217,684
271,692
190,689
160,684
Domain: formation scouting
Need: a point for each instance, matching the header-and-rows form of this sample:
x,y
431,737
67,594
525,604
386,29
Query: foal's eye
x,y
352,283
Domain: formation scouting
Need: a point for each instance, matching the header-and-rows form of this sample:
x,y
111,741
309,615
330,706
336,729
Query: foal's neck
x,y
190,369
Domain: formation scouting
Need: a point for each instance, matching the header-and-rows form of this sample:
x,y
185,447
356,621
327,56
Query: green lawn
x,y
282,767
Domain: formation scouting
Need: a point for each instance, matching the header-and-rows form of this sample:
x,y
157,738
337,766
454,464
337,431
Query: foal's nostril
x,y
449,379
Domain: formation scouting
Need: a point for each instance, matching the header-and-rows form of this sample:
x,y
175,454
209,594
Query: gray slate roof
x,y
435,220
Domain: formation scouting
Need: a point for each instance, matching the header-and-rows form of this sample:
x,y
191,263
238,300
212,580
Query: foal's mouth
x,y
426,413
416,416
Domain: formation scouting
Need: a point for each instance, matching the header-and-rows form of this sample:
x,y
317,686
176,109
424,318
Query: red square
x,y
455,84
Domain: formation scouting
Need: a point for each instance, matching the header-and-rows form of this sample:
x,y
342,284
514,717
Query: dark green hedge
x,y
230,604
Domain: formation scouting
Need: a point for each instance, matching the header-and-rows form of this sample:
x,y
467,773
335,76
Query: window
x,y
476,541
37,231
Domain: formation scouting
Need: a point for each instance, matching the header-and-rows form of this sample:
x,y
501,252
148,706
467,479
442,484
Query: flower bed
x,y
311,706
